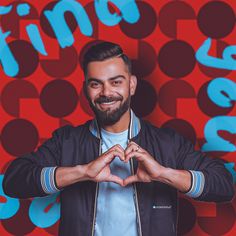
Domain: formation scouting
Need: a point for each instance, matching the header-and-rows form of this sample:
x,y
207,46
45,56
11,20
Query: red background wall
x,y
47,92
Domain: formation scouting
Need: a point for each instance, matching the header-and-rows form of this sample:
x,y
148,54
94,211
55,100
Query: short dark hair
x,y
102,51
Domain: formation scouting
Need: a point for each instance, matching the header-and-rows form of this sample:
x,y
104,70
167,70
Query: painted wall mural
x,y
184,55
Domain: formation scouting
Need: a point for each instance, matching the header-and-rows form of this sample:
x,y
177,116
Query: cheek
x,y
90,96
124,90
92,93
120,92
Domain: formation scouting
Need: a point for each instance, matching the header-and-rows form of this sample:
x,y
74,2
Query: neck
x,y
121,125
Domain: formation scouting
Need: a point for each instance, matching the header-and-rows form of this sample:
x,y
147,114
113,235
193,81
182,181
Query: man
x,y
118,175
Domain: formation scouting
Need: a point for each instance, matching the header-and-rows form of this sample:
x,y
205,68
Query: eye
x,y
94,84
116,82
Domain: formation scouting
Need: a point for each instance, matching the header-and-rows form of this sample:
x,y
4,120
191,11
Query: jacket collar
x,y
134,126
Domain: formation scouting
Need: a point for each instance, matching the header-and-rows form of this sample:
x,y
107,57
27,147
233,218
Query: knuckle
x,y
104,155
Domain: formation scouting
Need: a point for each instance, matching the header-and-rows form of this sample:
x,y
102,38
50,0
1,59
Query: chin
x,y
112,114
109,117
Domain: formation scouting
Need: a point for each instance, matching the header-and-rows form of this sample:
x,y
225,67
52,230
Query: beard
x,y
110,117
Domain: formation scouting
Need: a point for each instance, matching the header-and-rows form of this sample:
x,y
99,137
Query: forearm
x,y
65,176
179,179
22,179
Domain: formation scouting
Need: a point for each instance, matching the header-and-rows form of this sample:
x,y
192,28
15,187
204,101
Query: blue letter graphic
x,y
59,25
128,8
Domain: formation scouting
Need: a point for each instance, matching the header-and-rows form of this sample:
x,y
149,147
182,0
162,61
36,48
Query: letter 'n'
x,y
57,20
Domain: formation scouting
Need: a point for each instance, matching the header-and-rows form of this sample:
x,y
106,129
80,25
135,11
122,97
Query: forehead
x,y
107,68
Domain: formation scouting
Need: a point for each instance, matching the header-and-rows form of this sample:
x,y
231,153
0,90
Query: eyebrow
x,y
111,78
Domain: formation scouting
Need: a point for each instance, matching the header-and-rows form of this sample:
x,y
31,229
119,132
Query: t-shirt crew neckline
x,y
115,134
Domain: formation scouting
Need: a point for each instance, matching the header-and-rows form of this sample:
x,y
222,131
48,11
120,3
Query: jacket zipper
x,y
96,195
95,210
136,200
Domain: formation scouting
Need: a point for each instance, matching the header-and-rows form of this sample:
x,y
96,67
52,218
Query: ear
x,y
133,84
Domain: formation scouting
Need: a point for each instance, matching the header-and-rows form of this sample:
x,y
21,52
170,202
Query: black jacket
x,y
157,202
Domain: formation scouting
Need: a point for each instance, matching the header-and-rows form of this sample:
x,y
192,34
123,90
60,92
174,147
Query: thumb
x,y
131,179
115,179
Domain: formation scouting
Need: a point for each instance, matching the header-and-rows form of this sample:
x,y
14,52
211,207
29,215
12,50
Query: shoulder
x,y
163,135
150,129
68,131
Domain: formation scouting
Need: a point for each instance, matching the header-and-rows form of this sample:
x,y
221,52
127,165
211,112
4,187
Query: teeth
x,y
107,102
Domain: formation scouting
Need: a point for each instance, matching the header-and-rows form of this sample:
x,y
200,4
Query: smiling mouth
x,y
105,105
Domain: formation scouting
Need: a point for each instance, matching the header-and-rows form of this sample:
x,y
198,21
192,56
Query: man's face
x,y
109,89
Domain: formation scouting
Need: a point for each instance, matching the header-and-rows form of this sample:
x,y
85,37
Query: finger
x,y
137,155
117,147
131,179
112,154
132,147
132,142
129,149
116,179
105,159
119,153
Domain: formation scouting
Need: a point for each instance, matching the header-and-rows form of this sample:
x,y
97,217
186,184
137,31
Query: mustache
x,y
108,99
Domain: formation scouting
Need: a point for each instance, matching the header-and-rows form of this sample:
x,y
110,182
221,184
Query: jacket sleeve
x,y
32,174
209,175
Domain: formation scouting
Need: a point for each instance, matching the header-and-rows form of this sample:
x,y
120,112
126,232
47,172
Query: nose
x,y
106,90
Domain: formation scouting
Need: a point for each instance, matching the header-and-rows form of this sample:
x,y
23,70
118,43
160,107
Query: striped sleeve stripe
x,y
198,182
47,180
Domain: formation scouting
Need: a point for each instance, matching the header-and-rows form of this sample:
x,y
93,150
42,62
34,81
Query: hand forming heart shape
x,y
148,168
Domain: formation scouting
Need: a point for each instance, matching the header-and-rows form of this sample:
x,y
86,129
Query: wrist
x,y
180,179
164,174
81,172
